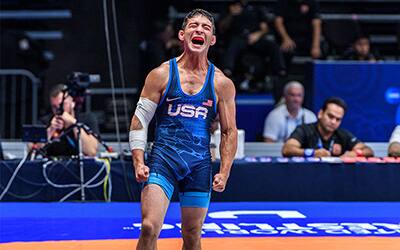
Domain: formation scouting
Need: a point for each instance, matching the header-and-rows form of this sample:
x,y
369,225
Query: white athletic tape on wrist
x,y
145,110
138,139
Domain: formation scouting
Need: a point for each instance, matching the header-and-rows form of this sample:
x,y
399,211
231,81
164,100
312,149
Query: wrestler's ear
x,y
213,40
181,34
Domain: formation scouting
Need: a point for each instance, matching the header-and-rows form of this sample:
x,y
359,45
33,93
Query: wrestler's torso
x,y
183,123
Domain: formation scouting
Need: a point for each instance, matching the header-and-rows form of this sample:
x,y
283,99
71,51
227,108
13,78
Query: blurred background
x,y
43,41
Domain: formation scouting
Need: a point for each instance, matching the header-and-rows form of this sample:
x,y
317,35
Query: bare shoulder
x,y
156,82
223,85
159,74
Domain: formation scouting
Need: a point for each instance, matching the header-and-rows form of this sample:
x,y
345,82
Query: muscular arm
x,y
89,144
152,90
227,114
225,91
292,147
137,154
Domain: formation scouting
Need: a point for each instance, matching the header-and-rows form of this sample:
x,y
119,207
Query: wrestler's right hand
x,y
142,173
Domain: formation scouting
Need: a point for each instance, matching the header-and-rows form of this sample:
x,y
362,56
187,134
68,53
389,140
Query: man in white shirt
x,y
394,143
282,120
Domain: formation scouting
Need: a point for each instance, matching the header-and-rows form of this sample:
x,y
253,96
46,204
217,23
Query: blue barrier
x,y
251,111
371,90
251,180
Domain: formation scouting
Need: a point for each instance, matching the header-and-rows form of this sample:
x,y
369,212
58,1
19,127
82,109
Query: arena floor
x,y
241,225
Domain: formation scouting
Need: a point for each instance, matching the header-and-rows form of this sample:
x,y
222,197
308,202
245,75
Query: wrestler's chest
x,y
191,84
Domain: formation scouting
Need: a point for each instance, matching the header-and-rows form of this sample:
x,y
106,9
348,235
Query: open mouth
x,y
198,40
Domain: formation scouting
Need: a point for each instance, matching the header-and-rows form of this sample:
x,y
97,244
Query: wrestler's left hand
x,y
219,182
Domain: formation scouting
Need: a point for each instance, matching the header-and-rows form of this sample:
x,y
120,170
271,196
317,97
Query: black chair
x,y
339,35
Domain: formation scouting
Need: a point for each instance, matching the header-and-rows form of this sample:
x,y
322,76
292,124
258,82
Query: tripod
x,y
79,126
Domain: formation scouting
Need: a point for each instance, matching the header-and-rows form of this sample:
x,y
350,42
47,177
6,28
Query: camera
x,y
76,86
78,82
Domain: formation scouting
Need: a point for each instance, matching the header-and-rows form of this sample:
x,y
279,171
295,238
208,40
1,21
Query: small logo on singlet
x,y
173,99
188,110
208,103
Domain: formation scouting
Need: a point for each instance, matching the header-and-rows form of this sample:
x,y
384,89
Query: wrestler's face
x,y
198,34
331,118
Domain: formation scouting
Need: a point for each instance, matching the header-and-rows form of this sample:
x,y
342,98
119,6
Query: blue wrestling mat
x,y
90,221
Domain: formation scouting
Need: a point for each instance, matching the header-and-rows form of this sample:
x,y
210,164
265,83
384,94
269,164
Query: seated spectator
x,y
298,24
162,44
325,138
394,143
282,120
58,122
360,50
244,28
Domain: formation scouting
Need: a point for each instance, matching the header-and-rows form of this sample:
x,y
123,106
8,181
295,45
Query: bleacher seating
x,y
47,23
379,18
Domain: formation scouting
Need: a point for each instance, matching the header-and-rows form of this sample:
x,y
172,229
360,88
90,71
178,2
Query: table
x,y
250,180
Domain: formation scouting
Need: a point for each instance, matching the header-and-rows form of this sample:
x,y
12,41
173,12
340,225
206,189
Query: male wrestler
x,y
186,94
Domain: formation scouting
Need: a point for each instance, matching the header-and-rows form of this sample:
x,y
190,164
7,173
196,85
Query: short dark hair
x,y
199,12
57,89
334,100
361,36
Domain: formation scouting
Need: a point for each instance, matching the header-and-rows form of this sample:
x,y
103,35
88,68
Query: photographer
x,y
63,118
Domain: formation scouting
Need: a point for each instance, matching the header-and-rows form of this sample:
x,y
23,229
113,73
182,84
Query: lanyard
x,y
321,145
70,141
286,128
